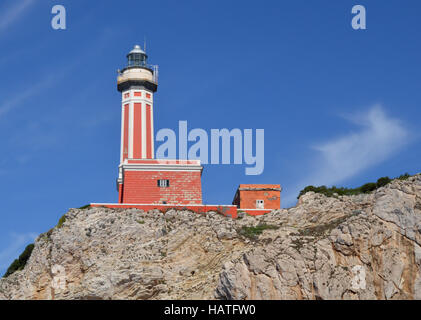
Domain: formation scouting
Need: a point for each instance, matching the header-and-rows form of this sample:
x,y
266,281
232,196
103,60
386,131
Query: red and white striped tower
x,y
137,83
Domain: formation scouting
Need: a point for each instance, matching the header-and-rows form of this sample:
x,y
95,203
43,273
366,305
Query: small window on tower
x,y
163,183
148,95
126,95
138,94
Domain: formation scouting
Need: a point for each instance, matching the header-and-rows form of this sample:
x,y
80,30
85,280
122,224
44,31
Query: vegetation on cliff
x,y
366,188
254,232
20,263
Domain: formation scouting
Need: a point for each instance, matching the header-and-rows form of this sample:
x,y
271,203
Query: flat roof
x,y
259,186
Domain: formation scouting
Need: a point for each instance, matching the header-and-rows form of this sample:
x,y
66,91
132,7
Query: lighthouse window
x,y
148,95
138,94
126,95
163,183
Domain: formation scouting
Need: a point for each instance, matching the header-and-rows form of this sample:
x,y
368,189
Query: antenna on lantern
x,y
144,44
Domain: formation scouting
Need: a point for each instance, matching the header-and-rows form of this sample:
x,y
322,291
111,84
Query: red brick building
x,y
161,182
258,196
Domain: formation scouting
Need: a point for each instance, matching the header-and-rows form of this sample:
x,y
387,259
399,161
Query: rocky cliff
x,y
344,247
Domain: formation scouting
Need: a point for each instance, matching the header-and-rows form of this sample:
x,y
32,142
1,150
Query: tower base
x,y
172,182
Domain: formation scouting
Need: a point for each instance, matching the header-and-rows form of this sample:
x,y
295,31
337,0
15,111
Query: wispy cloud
x,y
13,13
39,85
32,90
379,137
37,135
18,241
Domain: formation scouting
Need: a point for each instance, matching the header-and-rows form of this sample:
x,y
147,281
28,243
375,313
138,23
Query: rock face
x,y
349,247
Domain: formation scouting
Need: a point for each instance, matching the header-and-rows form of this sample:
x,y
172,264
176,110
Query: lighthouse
x,y
142,179
147,183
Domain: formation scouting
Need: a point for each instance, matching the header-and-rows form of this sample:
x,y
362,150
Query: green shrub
x,y
85,207
254,232
329,192
20,263
61,221
404,176
366,188
381,182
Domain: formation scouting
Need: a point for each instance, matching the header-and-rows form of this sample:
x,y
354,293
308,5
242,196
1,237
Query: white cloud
x,y
18,242
32,90
379,138
39,85
13,13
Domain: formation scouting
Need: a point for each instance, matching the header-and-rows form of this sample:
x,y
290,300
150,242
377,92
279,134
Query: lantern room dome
x,y
137,49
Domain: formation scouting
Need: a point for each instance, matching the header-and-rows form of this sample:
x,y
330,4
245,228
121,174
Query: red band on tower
x,y
149,135
137,131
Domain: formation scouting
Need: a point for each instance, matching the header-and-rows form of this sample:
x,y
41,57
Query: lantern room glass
x,y
136,60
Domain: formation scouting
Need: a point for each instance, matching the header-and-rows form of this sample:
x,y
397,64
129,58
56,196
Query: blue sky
x,y
338,106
